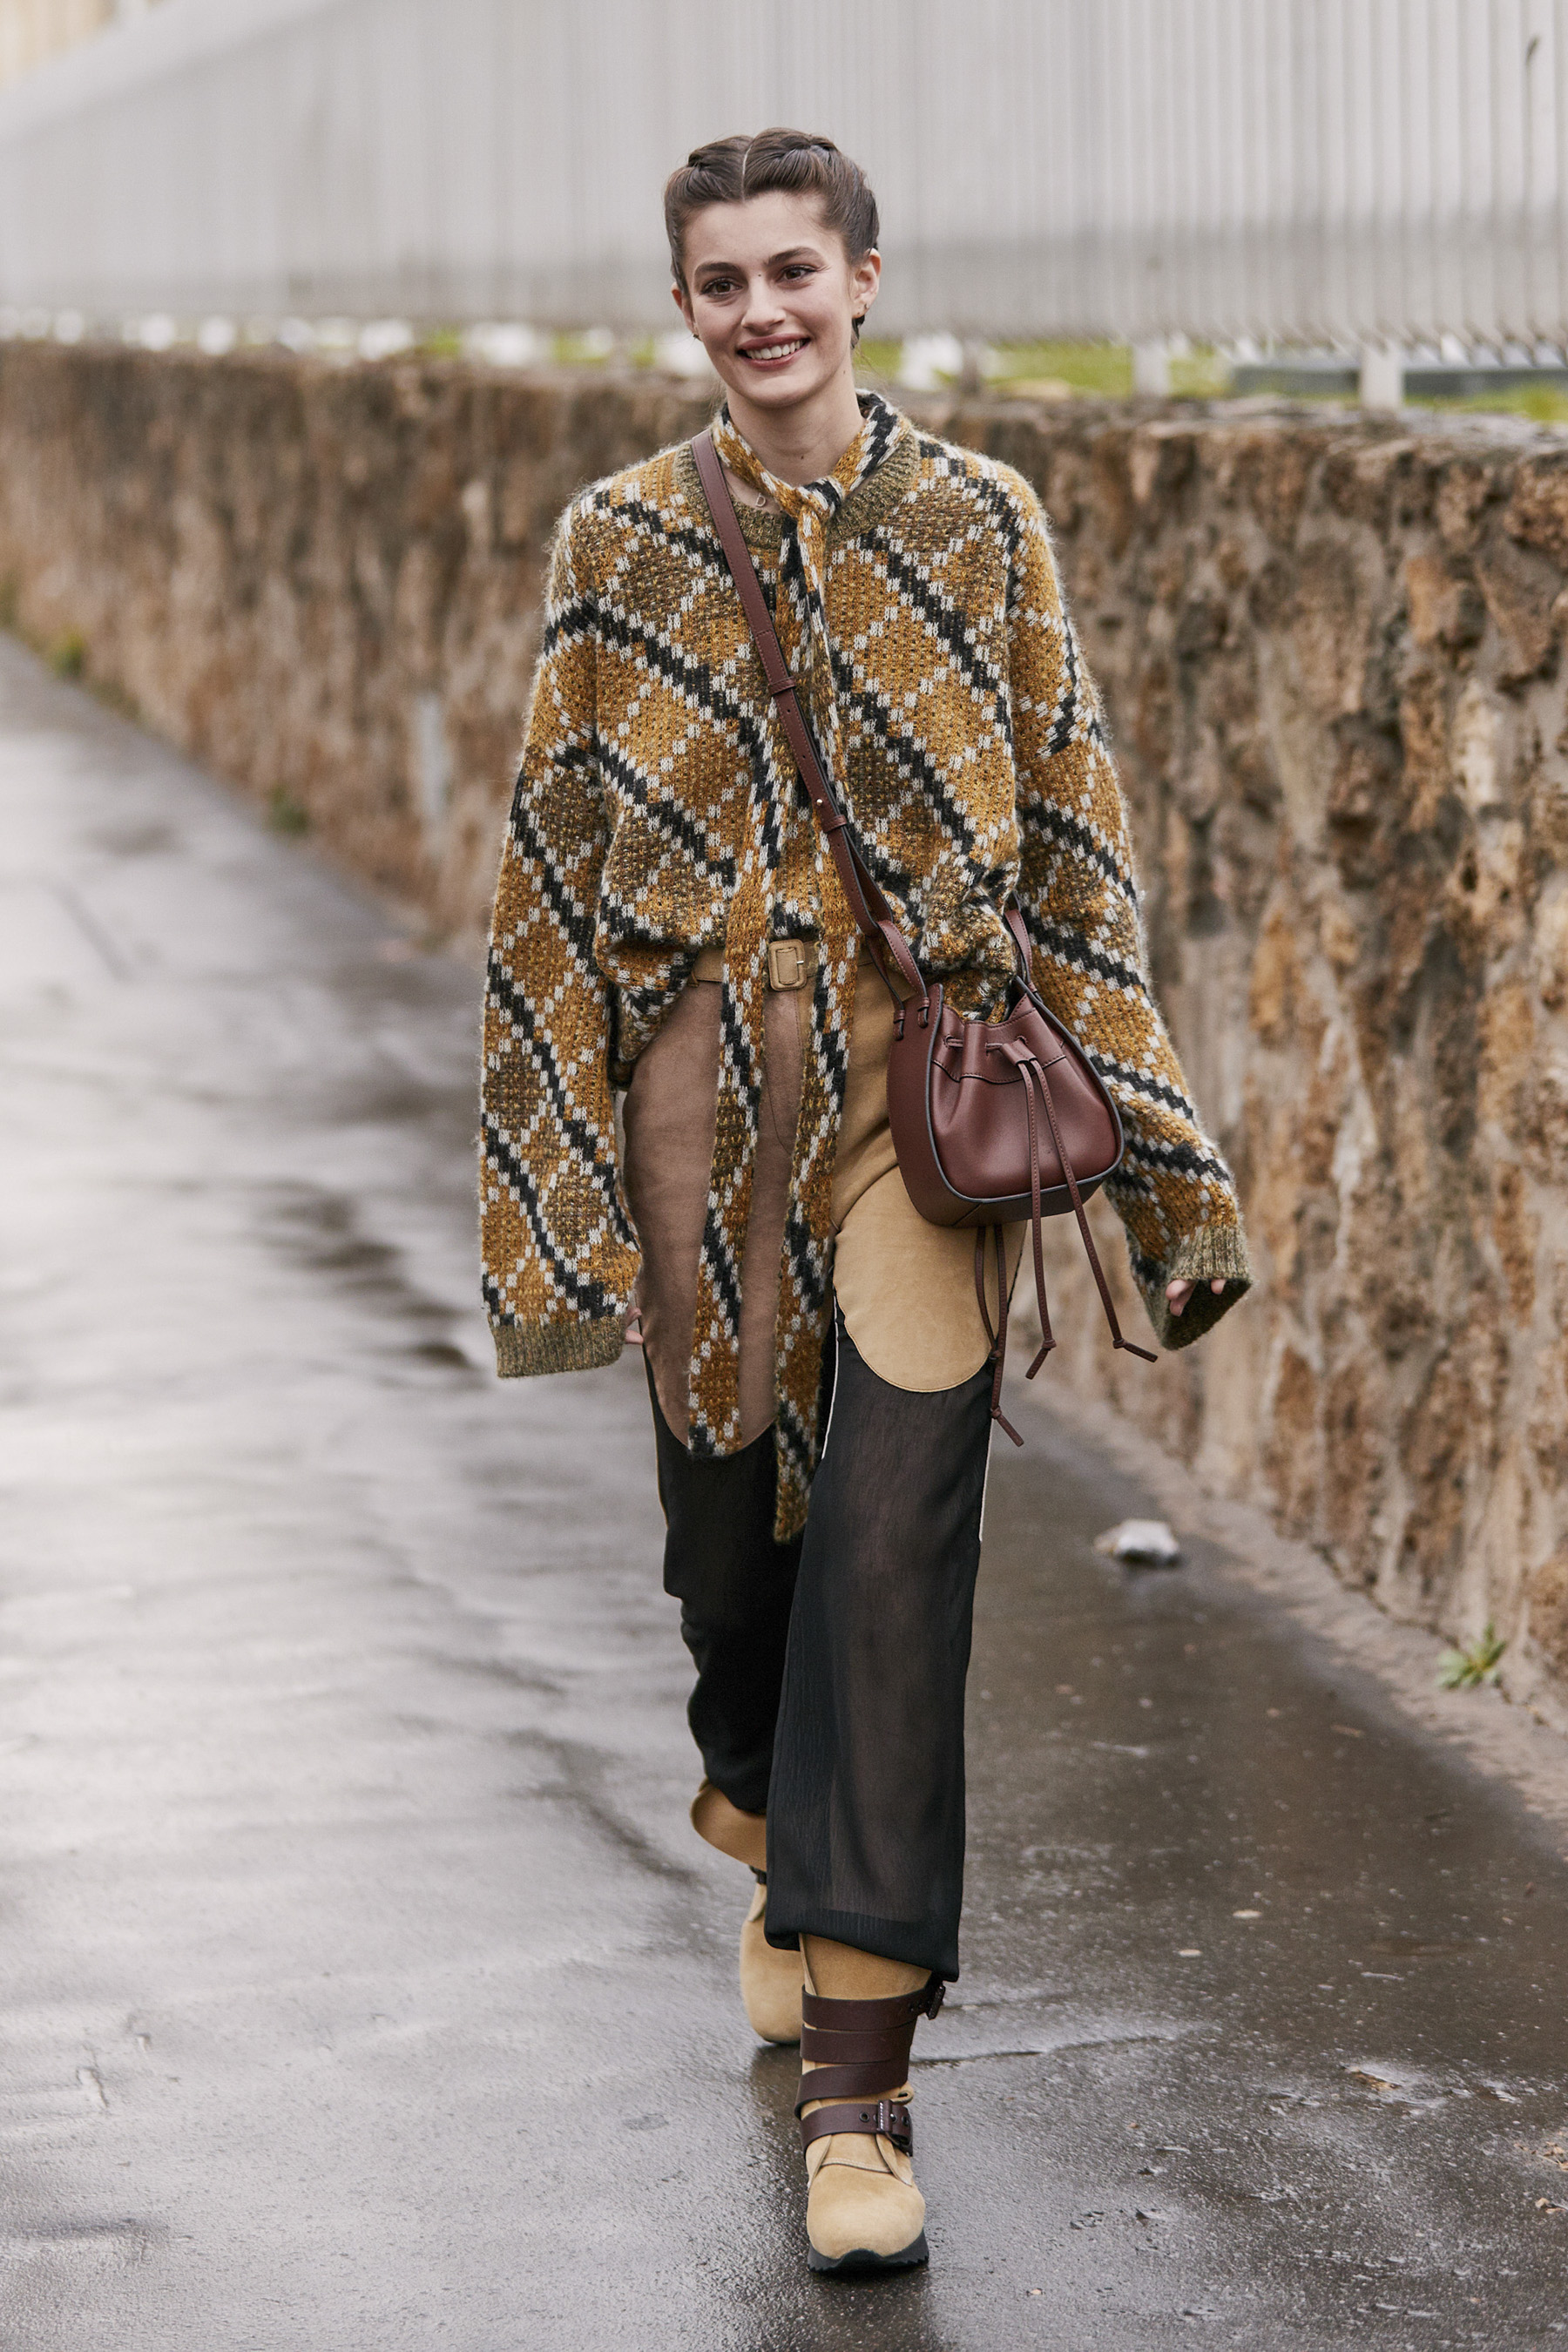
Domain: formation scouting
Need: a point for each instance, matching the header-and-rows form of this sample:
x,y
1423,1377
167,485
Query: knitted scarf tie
x,y
759,912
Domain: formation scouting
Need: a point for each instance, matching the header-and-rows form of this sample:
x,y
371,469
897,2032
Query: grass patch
x,y
67,654
285,813
1102,371
591,348
1543,403
1475,1662
1202,373
877,358
115,697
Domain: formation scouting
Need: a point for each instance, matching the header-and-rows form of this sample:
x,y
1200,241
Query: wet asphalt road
x,y
362,1986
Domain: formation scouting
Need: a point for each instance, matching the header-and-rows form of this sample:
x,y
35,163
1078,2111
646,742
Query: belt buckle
x,y
786,964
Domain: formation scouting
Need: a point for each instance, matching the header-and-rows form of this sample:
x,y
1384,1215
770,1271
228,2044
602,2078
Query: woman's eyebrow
x,y
774,260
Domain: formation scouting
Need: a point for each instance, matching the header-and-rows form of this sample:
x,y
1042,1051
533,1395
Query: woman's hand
x,y
1178,1293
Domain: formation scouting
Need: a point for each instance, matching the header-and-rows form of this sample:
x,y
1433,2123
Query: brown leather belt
x,y
790,963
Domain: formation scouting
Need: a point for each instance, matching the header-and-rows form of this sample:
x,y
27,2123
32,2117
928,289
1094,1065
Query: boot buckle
x,y
892,2121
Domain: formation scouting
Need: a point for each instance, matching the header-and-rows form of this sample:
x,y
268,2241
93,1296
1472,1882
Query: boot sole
x,y
861,2258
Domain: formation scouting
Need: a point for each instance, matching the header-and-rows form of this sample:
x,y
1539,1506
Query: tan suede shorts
x,y
906,1289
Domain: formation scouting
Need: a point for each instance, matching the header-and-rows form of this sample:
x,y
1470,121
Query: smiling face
x,y
774,297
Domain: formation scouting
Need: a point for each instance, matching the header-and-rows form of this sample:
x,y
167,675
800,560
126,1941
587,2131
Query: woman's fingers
x,y
1178,1293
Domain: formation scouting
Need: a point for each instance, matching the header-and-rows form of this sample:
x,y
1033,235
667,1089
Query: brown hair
x,y
728,171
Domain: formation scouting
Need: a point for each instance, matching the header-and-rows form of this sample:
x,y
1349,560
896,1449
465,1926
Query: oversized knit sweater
x,y
657,812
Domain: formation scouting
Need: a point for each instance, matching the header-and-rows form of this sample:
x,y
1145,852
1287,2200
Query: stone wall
x,y
1331,647
323,581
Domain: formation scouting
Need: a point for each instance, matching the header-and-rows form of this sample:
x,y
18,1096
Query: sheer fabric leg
x,y
865,1813
735,1586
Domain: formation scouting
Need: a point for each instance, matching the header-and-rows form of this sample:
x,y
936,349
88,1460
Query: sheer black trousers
x,y
830,1672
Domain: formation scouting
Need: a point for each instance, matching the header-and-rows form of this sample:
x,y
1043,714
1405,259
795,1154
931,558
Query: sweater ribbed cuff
x,y
1212,1254
524,1349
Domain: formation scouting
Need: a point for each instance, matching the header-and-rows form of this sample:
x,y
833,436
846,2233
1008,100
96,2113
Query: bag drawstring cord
x,y
1034,1079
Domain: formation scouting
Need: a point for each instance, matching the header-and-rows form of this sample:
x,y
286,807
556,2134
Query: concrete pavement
x,y
361,1987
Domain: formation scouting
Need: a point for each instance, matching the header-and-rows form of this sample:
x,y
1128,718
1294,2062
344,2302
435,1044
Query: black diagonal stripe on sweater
x,y
945,623
1066,719
577,617
1156,1153
575,920
734,1043
632,929
892,879
1138,1082
664,812
884,420
807,1261
907,752
1050,818
718,1254
1145,1270
691,539
695,681
1010,526
1070,948
583,1292
506,999
797,1436
692,679
724,1271
1129,1192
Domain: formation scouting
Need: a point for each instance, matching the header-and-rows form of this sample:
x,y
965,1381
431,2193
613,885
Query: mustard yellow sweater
x,y
656,813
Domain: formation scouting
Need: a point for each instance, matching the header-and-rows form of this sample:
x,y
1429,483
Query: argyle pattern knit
x,y
657,812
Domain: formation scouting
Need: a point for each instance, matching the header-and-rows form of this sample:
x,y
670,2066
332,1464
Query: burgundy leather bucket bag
x,y
993,1123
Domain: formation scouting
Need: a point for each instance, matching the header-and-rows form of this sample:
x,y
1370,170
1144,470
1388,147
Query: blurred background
x,y
1356,199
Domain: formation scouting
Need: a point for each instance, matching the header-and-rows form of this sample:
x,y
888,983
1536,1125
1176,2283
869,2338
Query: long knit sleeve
x,y
560,1256
1077,887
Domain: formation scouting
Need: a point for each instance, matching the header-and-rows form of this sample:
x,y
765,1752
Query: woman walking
x,y
670,922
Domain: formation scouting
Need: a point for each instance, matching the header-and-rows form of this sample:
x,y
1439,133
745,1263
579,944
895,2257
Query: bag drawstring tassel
x,y
1035,1081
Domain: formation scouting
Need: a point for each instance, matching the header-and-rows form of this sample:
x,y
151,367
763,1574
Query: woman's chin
x,y
774,387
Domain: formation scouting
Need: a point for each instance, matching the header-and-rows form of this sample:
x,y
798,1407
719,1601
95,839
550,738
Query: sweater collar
x,y
863,509
816,504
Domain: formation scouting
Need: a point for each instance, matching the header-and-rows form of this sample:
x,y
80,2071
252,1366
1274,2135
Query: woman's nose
x,y
762,306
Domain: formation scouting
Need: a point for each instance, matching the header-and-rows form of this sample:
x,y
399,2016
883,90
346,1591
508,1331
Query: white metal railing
x,y
1349,171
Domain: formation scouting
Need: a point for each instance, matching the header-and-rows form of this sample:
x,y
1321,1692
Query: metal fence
x,y
1349,171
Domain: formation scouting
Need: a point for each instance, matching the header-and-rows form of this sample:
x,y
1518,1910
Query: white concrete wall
x,y
1352,168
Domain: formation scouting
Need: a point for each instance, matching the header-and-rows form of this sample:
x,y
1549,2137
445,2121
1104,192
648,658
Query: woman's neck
x,y
802,444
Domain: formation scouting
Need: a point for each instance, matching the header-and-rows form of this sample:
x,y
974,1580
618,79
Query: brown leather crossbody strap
x,y
867,904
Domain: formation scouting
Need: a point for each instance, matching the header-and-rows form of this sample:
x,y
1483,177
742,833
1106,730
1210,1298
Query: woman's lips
x,y
775,354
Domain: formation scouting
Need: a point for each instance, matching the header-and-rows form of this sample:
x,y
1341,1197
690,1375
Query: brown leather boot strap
x,y
858,2050
890,2118
873,2016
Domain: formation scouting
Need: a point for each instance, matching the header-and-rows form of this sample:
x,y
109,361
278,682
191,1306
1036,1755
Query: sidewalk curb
x,y
1523,1741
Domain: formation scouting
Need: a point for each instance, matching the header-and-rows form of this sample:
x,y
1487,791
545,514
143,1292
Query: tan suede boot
x,y
863,2211
770,1979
